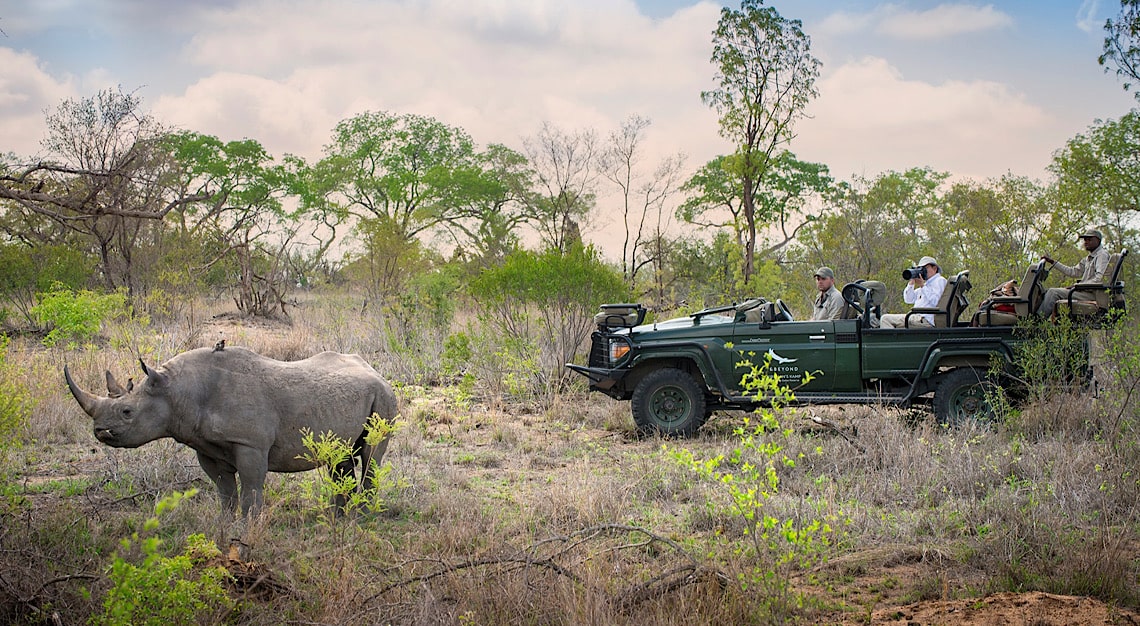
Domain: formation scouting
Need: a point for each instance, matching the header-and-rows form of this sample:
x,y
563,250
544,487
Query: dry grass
x,y
508,512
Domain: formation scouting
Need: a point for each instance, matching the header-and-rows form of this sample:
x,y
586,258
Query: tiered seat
x,y
1107,294
1024,304
950,305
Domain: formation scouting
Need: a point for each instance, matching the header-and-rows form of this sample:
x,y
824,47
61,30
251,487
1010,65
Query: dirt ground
x,y
880,580
877,587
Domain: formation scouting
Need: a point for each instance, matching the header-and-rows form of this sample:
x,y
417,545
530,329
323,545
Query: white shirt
x,y
926,296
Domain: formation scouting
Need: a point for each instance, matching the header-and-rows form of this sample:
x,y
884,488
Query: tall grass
x,y
515,512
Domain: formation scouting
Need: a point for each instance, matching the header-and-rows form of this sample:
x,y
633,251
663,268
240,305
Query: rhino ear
x,y
156,379
114,389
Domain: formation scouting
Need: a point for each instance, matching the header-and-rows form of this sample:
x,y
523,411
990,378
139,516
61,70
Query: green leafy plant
x,y
76,316
16,404
162,589
771,548
327,451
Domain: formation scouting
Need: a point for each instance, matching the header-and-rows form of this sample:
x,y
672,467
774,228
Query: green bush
x,y
76,316
26,271
164,590
771,549
16,405
548,299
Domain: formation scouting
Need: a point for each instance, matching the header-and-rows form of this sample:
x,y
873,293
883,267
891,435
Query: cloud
x,y
945,20
496,68
869,119
26,91
1086,17
940,22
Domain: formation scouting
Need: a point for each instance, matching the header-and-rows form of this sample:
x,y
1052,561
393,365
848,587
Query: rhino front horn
x,y
86,400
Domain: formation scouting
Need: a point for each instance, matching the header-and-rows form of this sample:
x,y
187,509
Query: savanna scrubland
x,y
513,504
510,495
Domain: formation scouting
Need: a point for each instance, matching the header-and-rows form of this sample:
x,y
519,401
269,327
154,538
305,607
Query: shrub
x,y
76,316
771,549
548,299
164,590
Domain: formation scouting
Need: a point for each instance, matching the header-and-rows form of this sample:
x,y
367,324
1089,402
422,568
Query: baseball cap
x,y
824,272
927,260
1092,232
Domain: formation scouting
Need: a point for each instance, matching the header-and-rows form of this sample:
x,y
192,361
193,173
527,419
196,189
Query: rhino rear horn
x,y
87,401
114,389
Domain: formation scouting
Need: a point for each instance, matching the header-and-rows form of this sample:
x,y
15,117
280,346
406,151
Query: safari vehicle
x,y
675,373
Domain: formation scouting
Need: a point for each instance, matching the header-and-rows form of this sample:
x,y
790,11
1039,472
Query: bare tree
x,y
565,173
643,195
108,177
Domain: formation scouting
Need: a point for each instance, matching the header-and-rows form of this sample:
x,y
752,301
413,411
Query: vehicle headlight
x,y
618,349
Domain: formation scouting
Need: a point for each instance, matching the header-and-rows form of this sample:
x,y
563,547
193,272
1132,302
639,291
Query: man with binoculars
x,y
924,288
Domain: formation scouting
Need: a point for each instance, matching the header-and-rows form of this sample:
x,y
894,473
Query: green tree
x,y
404,169
487,206
994,229
1098,179
1121,53
875,227
243,217
765,78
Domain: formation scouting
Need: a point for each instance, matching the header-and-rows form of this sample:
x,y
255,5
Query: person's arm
x,y
910,294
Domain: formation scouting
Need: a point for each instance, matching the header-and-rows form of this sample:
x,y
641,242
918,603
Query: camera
x,y
914,272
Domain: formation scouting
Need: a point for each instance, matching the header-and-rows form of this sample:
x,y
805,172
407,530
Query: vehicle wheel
x,y
965,395
669,402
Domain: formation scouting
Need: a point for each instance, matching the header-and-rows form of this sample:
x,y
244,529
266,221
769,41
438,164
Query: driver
x,y
1090,269
829,303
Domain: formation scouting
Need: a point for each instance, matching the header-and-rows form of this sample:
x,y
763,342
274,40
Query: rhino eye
x,y
126,412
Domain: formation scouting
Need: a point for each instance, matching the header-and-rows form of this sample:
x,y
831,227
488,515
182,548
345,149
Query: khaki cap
x,y
824,272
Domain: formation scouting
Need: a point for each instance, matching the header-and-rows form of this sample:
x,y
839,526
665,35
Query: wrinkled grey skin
x,y
243,413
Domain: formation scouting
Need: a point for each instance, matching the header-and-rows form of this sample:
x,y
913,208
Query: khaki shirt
x,y
1091,269
829,305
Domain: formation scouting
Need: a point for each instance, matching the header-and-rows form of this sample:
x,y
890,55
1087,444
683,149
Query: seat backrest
x,y
950,304
1031,292
953,299
863,299
1111,278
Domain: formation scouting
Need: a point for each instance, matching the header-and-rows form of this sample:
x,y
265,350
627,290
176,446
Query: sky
x,y
975,89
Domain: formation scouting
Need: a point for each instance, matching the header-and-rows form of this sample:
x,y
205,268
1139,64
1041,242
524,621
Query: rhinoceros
x,y
244,413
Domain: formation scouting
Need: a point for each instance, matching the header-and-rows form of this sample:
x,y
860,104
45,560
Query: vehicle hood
x,y
685,324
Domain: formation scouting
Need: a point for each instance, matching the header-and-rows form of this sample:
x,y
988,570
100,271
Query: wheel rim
x,y
971,403
669,405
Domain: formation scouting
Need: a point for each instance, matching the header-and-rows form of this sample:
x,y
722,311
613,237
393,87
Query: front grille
x,y
599,350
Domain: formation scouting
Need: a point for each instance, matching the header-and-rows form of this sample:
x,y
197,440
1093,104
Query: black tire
x,y
669,402
964,395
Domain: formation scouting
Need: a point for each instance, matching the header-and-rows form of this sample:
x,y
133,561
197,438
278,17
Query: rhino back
x,y
235,397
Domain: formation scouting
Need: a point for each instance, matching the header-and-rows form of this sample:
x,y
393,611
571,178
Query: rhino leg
x,y
344,469
367,455
224,477
252,466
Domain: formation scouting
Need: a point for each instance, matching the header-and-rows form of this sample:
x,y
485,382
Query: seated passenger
x,y
923,290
